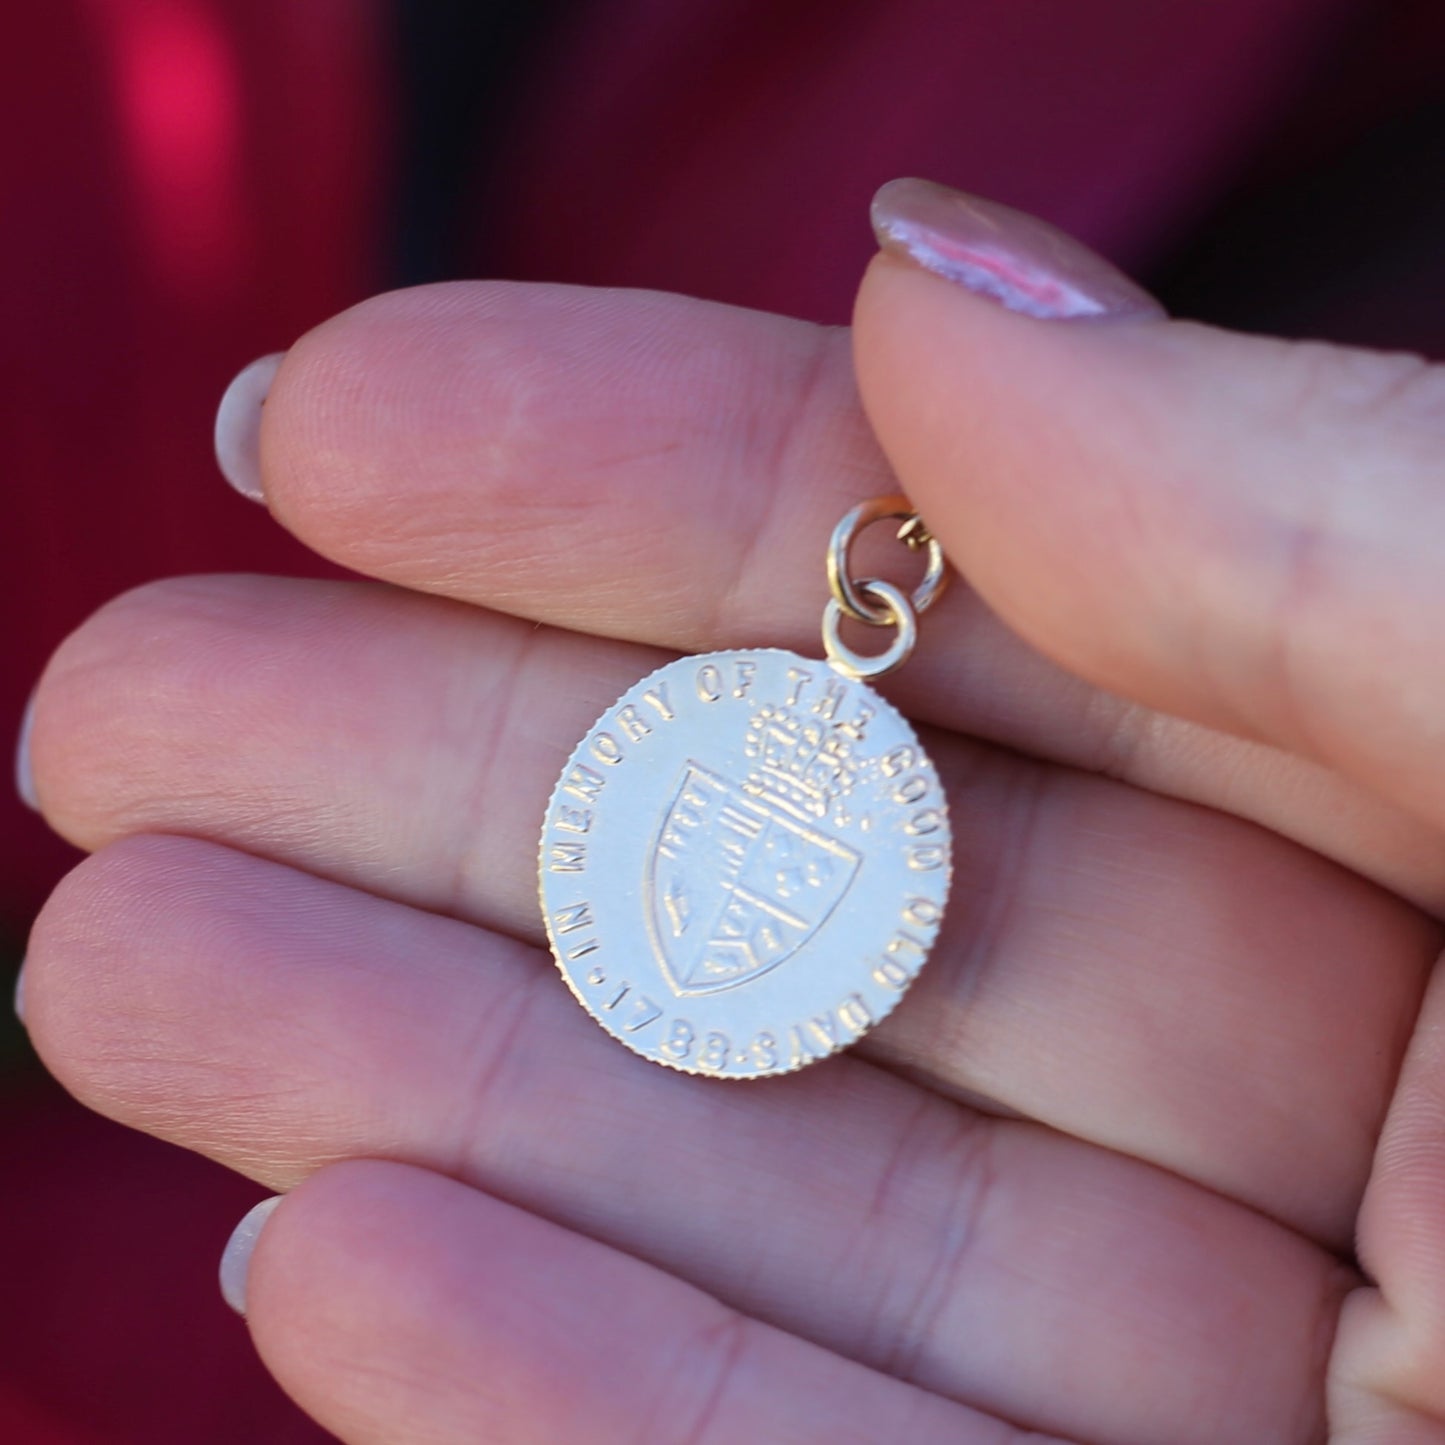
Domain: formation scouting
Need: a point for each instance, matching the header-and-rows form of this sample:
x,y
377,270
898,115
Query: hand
x,y
1101,1176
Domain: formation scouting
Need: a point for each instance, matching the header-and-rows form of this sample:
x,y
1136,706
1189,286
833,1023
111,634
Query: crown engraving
x,y
805,765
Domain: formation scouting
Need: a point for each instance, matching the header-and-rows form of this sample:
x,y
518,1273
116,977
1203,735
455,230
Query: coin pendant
x,y
744,864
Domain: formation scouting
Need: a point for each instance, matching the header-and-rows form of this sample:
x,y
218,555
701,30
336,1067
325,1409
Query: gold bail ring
x,y
852,596
889,601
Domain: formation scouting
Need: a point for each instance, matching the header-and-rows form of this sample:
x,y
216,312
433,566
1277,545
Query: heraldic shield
x,y
736,884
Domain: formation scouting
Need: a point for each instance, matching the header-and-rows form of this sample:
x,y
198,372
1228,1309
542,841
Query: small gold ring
x,y
849,594
894,607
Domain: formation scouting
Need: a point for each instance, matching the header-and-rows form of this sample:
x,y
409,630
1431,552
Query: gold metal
x,y
896,609
746,861
744,865
850,594
914,534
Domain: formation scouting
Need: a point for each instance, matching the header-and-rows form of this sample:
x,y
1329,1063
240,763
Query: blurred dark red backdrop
x,y
190,183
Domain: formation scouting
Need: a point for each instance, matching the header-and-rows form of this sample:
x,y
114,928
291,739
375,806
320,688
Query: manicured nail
x,y
20,992
238,426
236,1259
24,776
1015,259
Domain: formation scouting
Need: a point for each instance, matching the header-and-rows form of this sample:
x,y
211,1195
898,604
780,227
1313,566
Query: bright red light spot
x,y
180,113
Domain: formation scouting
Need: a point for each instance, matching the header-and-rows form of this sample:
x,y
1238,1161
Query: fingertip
x,y
1229,528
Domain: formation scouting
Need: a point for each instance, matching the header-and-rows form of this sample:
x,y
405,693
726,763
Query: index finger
x,y
668,470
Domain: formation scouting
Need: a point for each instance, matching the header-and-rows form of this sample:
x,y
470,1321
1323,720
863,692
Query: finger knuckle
x,y
1345,387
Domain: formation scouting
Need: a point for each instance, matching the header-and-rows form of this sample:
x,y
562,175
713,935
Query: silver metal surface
x,y
744,864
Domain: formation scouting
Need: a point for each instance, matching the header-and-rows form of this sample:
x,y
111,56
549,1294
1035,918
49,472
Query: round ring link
x,y
895,608
848,594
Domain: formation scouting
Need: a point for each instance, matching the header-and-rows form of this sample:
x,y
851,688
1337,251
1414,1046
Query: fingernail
x,y
24,776
238,426
20,992
1021,262
236,1258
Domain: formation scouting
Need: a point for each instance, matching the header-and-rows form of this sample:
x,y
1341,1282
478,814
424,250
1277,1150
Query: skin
x,y
1155,1149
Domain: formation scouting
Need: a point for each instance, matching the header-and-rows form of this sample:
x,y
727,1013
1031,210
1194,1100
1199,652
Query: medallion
x,y
745,862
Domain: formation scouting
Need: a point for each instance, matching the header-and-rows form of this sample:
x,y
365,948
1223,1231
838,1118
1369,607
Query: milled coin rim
x,y
585,1005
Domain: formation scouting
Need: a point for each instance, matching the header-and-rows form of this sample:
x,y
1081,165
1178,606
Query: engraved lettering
x,y
714,1051
902,942
656,698
922,912
568,857
911,790
678,1043
826,707
798,1051
926,857
572,820
741,831
854,1013
825,1030
606,749
859,726
709,682
644,1012
765,1051
891,974
926,820
632,724
898,761
572,917
583,783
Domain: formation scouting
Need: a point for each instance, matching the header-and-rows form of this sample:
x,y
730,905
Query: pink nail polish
x,y
1015,259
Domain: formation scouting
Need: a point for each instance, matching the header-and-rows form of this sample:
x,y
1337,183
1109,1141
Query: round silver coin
x,y
744,864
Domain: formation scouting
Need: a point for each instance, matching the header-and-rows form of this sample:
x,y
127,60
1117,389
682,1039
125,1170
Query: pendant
x,y
746,861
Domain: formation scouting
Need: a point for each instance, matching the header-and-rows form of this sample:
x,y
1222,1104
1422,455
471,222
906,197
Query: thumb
x,y
1243,531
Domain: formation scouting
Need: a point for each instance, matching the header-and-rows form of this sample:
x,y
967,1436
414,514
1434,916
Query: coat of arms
x,y
742,875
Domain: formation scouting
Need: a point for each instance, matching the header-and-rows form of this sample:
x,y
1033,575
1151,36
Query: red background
x,y
190,183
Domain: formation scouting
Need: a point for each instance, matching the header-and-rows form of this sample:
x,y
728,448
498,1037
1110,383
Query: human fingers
x,y
1237,530
1385,1380
279,1022
667,471
1153,1015
1155,977
396,1305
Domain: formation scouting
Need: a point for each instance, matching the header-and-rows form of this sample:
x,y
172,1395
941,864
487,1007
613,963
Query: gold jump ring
x,y
849,594
895,608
